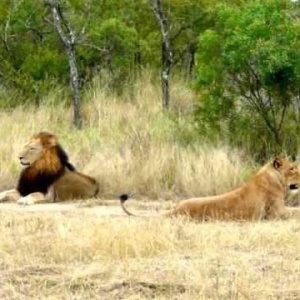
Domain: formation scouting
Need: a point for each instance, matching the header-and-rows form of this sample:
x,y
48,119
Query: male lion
x,y
262,197
48,176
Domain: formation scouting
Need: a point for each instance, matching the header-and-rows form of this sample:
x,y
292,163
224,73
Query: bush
x,y
248,76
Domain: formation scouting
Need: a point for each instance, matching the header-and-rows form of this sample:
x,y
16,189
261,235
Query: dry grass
x,y
77,255
131,146
128,144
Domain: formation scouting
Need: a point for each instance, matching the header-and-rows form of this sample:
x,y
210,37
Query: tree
x,y
68,40
166,50
120,39
189,18
248,68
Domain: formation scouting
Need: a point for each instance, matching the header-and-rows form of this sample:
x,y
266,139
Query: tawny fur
x,y
262,197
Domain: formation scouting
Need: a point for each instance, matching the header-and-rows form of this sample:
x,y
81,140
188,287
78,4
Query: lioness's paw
x,y
25,201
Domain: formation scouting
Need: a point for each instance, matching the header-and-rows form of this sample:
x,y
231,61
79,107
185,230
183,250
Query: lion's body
x,y
74,185
262,197
48,175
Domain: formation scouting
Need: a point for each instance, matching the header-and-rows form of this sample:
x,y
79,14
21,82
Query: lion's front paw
x,y
25,201
3,198
9,196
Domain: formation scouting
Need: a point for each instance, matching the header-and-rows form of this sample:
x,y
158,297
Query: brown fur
x,y
262,197
48,175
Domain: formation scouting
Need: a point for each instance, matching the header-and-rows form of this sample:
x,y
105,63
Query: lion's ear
x,y
51,141
277,163
47,139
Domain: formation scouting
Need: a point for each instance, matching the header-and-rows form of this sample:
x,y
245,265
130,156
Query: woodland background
x,y
239,59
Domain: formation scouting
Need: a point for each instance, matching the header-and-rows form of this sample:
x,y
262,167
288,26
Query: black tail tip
x,y
124,197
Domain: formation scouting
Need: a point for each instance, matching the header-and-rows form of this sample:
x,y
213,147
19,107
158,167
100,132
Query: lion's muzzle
x,y
23,162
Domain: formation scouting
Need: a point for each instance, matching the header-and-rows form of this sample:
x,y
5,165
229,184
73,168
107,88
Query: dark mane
x,y
32,180
63,156
39,183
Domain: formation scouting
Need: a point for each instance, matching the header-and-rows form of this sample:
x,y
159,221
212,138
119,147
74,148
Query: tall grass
x,y
128,143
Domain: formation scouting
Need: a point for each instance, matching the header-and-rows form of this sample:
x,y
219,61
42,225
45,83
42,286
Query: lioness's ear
x,y
277,163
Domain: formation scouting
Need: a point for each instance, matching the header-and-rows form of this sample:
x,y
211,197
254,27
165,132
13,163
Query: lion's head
x,y
290,172
43,151
37,147
44,160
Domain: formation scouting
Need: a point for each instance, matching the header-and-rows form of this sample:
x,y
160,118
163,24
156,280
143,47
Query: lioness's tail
x,y
125,197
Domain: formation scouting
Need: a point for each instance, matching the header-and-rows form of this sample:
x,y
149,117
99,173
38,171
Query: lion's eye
x,y
32,149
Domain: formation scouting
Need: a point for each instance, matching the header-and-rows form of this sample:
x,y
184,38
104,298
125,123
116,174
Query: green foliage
x,y
116,37
119,43
247,61
248,74
30,54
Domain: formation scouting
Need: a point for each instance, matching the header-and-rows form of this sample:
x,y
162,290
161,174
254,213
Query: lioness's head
x,y
290,172
36,148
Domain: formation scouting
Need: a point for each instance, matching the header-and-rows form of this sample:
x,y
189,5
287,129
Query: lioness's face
x,y
31,153
290,172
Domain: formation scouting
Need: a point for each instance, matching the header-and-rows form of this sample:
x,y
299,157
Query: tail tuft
x,y
124,197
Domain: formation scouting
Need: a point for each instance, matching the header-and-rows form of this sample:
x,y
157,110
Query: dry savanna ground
x,y
96,252
91,250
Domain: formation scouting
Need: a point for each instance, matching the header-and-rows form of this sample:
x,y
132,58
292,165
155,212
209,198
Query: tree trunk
x,y
190,62
74,83
68,40
166,55
165,75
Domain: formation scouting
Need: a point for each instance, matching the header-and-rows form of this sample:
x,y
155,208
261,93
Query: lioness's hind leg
x,y
9,196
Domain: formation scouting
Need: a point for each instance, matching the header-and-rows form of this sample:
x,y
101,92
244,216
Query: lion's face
x,y
36,147
289,171
31,153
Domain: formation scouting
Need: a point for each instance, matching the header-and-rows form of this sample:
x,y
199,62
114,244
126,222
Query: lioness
x,y
262,197
47,174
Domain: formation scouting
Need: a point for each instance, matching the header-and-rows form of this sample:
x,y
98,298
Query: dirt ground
x,y
111,208
101,208
92,250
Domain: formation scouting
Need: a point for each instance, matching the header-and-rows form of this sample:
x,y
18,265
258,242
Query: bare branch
x,y
282,117
71,33
104,50
179,32
82,31
6,29
57,21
